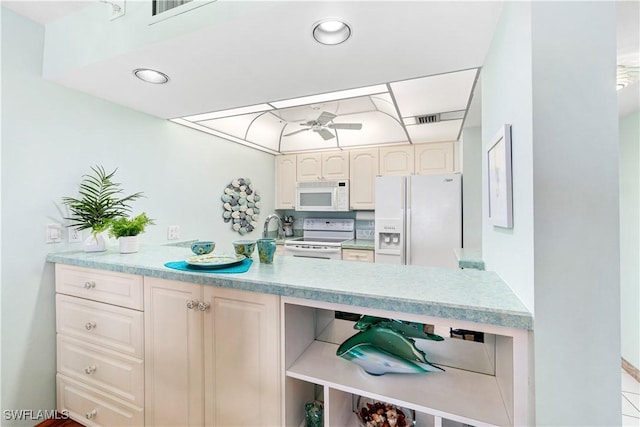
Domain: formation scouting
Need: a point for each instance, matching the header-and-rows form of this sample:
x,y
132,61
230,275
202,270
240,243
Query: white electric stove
x,y
322,238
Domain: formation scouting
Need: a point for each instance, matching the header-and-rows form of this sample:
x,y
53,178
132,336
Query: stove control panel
x,y
324,224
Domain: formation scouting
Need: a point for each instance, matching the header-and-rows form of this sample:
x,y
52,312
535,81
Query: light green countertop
x,y
471,295
359,244
470,258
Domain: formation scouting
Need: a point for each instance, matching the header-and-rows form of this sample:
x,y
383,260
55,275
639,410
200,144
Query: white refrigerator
x,y
418,219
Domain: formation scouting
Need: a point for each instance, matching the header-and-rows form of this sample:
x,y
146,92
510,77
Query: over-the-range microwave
x,y
331,196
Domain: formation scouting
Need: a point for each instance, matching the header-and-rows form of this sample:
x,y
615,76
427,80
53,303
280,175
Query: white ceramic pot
x,y
128,245
94,243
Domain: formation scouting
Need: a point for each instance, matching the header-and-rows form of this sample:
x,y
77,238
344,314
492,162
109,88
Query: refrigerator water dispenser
x,y
389,241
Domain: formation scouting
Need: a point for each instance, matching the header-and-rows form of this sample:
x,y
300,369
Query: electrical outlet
x,y
75,235
173,232
54,233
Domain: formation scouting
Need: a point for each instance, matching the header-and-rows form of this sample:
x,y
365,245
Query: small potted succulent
x,y
126,230
100,201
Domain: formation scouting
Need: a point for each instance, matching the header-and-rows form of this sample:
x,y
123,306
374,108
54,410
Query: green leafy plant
x,y
124,227
100,201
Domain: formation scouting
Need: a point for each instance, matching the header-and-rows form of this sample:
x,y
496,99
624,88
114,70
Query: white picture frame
x,y
499,179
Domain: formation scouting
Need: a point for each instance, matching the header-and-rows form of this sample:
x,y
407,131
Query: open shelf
x,y
457,395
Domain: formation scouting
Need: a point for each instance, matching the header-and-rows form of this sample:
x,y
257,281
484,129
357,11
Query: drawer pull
x,y
90,326
203,306
91,414
90,369
193,303
89,285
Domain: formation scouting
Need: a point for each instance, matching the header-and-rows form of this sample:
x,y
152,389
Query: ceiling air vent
x,y
429,118
160,6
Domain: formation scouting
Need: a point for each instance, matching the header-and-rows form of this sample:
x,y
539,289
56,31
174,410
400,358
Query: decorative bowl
x,y
244,247
373,413
203,247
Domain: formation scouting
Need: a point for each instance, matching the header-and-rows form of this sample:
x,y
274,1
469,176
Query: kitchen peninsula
x,y
272,327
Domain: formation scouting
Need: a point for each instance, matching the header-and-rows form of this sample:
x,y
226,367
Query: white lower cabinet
x,y
211,356
100,349
358,255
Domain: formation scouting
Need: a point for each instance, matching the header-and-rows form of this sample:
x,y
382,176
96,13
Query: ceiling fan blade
x,y
325,134
356,126
297,131
325,117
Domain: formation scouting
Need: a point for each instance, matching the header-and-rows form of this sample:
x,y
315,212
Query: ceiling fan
x,y
323,123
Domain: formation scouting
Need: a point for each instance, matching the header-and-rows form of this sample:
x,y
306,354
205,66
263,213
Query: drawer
x,y
92,407
361,255
115,328
104,286
119,375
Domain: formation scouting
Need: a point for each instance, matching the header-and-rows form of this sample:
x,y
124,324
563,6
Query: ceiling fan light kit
x,y
331,32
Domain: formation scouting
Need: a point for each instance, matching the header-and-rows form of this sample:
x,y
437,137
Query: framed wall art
x,y
500,194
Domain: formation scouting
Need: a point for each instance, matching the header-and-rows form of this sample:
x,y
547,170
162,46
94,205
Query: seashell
x,y
243,215
227,206
243,208
235,214
228,191
250,228
250,204
243,195
227,219
258,204
235,208
236,227
226,214
249,210
248,191
249,197
233,202
242,187
255,216
256,210
253,224
242,201
236,220
235,183
256,197
247,181
241,181
242,231
225,198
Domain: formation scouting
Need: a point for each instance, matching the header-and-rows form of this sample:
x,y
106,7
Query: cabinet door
x,y
242,358
286,182
397,160
335,165
309,167
363,168
174,383
434,158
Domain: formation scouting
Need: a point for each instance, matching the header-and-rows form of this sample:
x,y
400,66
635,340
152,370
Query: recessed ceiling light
x,y
331,32
151,76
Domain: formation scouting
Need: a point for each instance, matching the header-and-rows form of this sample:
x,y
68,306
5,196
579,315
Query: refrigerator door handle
x,y
407,239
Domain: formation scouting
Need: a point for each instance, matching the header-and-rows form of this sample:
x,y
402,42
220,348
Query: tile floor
x,y
630,401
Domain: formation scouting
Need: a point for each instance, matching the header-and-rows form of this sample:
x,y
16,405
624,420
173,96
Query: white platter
x,y
214,260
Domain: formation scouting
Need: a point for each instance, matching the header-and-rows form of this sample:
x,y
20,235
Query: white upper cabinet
x,y
286,182
397,160
434,158
363,168
324,165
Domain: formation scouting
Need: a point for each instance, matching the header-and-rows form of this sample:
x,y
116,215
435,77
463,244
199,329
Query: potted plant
x,y
100,202
126,230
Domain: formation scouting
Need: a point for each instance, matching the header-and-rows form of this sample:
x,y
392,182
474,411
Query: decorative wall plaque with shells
x,y
241,204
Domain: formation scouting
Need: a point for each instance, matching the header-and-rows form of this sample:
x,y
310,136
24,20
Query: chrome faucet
x,y
266,226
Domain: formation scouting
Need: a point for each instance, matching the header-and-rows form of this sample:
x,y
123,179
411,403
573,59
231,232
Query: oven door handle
x,y
308,250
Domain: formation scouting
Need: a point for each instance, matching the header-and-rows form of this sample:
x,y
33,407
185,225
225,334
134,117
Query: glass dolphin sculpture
x,y
380,349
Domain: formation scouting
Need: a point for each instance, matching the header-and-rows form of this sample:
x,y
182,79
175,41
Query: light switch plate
x,y
54,233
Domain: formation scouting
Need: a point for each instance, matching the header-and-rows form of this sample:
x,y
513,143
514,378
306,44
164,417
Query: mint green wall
x,y
472,187
562,255
630,236
50,137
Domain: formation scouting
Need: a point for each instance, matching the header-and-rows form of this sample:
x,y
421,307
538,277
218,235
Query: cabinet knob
x,y
203,306
90,369
192,303
89,285
90,326
91,414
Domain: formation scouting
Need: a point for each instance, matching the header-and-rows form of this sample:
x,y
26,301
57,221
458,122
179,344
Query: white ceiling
x,y
269,55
